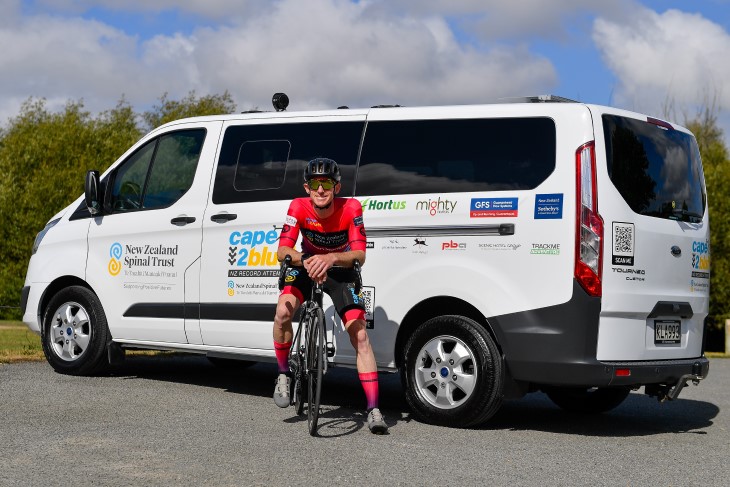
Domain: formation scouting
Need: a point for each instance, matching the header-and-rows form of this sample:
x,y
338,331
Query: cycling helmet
x,y
323,168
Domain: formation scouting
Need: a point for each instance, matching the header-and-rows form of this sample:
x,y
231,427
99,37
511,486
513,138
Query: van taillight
x,y
589,224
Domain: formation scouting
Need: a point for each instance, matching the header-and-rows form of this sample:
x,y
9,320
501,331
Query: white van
x,y
514,247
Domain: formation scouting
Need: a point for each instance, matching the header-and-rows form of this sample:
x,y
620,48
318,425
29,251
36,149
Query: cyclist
x,y
333,233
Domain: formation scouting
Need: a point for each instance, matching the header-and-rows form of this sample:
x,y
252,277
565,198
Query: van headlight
x,y
43,233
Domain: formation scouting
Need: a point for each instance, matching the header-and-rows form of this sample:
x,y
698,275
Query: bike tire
x,y
298,366
315,367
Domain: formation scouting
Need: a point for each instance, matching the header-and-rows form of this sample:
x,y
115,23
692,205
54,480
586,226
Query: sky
x,y
665,58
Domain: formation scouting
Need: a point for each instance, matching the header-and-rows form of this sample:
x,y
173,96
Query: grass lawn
x,y
18,343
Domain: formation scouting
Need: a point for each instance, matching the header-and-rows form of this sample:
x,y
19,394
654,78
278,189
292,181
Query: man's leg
x,y
283,334
368,372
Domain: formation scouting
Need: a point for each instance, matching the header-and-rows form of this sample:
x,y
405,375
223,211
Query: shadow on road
x,y
343,401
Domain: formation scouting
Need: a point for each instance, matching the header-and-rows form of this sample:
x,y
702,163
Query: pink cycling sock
x,y
369,382
282,356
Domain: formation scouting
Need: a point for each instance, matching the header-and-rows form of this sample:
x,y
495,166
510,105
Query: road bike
x,y
310,351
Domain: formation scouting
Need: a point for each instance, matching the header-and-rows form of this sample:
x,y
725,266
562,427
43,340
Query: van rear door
x,y
656,263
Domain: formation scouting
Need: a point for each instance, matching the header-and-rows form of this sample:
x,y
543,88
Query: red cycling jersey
x,y
343,230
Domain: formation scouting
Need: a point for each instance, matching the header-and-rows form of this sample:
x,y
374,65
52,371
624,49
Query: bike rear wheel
x,y
315,366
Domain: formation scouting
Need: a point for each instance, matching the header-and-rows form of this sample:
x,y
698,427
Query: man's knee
x,y
358,334
285,310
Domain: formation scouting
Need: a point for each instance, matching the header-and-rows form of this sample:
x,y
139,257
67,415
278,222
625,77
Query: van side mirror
x,y
91,192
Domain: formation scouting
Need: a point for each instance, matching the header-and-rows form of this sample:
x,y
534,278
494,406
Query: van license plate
x,y
667,332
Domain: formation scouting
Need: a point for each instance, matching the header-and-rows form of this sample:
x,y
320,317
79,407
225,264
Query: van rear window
x,y
657,170
443,156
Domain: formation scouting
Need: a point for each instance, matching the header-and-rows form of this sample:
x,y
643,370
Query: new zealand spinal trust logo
x,y
115,264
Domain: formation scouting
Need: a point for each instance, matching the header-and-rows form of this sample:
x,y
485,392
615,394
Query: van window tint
x,y
441,156
261,164
657,171
266,162
159,173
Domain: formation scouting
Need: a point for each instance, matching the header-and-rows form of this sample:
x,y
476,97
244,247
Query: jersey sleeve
x,y
356,232
290,230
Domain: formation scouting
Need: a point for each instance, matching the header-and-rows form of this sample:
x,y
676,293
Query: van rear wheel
x,y
453,373
588,400
75,333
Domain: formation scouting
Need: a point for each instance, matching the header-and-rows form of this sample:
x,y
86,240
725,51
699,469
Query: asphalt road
x,y
181,421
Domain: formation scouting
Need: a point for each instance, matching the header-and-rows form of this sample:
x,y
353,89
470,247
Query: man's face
x,y
321,196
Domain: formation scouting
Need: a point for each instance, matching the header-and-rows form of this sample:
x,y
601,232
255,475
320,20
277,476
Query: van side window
x,y
159,173
261,164
442,156
266,162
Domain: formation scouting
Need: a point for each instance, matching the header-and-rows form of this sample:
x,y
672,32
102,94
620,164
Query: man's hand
x,y
318,265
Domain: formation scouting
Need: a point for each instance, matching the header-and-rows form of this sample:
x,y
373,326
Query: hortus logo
x,y
373,205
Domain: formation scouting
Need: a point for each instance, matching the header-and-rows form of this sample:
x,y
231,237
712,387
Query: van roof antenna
x,y
280,101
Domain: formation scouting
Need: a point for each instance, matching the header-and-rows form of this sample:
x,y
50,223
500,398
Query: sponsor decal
x,y
493,207
367,295
357,221
623,244
369,244
545,249
253,248
701,259
115,252
252,257
437,206
499,246
312,222
149,265
549,206
699,286
381,205
291,221
451,245
420,246
394,244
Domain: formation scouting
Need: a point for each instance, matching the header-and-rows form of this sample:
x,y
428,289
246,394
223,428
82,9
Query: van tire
x,y
466,387
75,332
588,400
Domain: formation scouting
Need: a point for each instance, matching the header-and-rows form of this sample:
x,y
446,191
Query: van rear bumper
x,y
605,374
557,346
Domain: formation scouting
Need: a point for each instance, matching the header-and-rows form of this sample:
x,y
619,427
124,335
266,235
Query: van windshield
x,y
657,170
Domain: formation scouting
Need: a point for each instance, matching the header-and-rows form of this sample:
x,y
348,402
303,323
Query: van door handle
x,y
223,217
181,221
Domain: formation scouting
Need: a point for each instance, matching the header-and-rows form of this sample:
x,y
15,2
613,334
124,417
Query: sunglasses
x,y
327,184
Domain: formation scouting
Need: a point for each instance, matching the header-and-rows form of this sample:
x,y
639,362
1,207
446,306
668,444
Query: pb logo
x,y
115,265
451,245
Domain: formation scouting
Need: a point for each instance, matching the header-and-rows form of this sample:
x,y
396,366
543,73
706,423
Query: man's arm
x,y
318,265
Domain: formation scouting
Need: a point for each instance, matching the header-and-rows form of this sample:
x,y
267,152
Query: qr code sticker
x,y
368,297
623,238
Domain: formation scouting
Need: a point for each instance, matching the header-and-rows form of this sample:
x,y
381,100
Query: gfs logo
x,y
115,265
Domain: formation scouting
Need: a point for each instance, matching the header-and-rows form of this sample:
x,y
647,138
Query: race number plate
x,y
667,332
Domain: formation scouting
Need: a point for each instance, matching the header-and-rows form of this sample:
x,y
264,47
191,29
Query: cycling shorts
x,y
340,285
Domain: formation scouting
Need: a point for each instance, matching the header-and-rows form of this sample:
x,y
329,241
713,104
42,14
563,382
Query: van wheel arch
x,y
431,308
74,332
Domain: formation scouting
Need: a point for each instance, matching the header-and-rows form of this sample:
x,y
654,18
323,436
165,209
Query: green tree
x,y
43,159
716,163
190,106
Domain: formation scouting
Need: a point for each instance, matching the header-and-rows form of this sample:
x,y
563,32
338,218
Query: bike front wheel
x,y
315,366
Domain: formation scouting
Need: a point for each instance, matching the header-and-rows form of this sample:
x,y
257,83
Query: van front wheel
x,y
75,333
453,373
